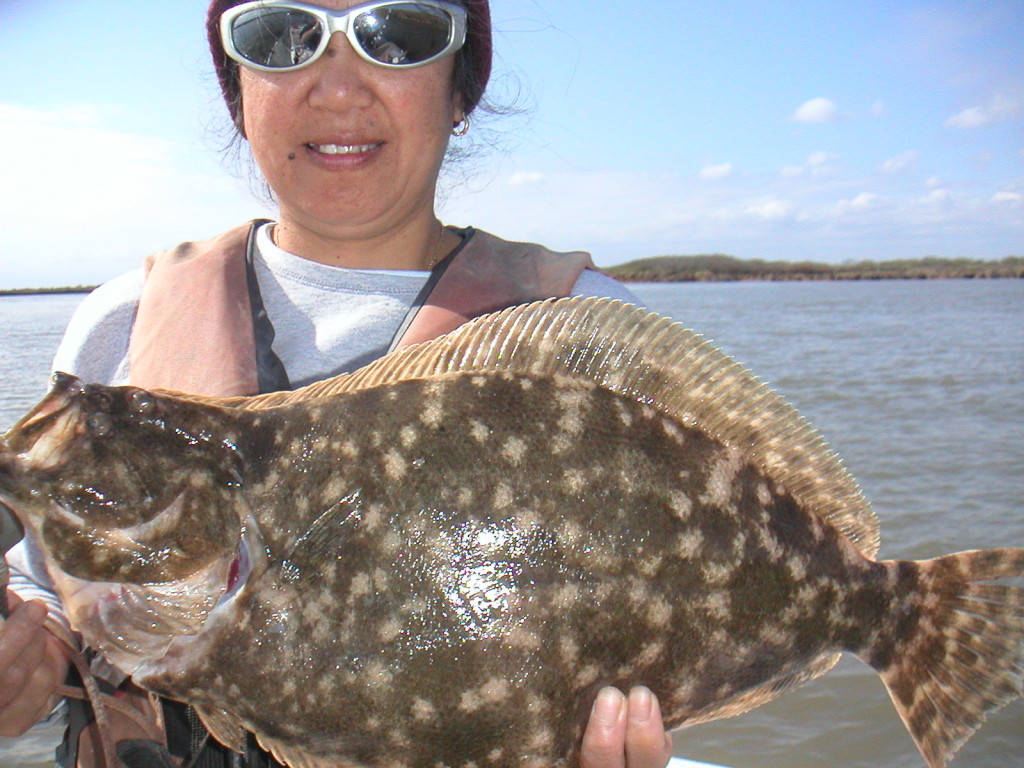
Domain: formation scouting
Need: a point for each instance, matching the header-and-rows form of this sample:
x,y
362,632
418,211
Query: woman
x,y
348,111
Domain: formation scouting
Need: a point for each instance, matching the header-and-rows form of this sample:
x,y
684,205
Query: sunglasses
x,y
281,36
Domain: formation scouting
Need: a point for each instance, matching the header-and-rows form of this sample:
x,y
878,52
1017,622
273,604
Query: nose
x,y
343,79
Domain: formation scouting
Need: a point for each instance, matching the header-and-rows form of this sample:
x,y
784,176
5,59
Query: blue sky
x,y
799,130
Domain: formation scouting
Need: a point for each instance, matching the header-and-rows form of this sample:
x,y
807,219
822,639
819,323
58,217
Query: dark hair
x,y
472,62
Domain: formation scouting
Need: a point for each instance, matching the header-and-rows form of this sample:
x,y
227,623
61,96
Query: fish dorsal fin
x,y
640,355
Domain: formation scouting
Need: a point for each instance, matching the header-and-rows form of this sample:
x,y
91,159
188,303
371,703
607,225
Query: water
x,y
918,386
30,329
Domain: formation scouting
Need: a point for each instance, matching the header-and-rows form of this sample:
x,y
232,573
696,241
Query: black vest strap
x,y
435,276
269,369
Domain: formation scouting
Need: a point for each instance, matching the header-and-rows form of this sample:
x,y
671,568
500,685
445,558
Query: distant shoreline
x,y
45,291
722,268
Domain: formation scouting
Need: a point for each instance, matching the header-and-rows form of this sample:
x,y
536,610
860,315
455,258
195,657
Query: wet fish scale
x,y
440,559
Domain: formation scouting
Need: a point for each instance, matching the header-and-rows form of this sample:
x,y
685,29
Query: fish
x,y
441,558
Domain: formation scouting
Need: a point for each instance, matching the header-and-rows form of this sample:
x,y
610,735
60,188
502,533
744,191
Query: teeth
x,y
342,149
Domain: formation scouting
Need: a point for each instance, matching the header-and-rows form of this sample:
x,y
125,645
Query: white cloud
x,y
720,171
878,109
525,177
818,164
818,159
1008,198
819,110
770,209
864,201
901,163
998,108
937,197
863,204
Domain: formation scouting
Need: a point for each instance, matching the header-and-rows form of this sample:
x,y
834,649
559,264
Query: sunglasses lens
x,y
276,37
403,33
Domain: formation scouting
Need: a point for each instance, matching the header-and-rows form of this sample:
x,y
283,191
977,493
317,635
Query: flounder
x,y
439,559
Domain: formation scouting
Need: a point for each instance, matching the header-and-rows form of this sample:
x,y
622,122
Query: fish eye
x,y
99,424
98,398
141,402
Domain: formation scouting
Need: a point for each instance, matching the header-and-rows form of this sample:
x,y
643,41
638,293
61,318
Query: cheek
x,y
429,94
263,110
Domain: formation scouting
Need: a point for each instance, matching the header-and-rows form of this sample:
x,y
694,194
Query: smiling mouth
x,y
344,149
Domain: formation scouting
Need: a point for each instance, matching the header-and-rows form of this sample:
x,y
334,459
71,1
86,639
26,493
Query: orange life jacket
x,y
195,329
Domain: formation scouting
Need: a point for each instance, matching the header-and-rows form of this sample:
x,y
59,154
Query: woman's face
x,y
349,148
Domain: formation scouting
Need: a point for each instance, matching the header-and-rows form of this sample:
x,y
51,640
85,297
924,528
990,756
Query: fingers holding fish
x,y
647,743
625,732
604,741
31,667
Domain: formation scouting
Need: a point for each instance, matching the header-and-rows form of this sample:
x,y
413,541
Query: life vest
x,y
201,326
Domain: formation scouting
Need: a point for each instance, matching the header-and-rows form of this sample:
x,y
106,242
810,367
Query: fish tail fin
x,y
958,651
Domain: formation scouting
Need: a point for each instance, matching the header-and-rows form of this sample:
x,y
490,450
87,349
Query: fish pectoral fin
x,y
224,727
321,543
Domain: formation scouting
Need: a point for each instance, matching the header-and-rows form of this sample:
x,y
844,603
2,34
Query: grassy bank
x,y
720,267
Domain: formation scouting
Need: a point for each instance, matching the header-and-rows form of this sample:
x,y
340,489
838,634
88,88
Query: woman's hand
x,y
625,733
32,665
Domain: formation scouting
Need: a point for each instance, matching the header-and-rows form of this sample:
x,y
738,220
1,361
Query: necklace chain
x,y
436,253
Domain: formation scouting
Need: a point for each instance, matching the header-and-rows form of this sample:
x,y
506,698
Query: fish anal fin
x,y
296,757
756,697
964,655
223,726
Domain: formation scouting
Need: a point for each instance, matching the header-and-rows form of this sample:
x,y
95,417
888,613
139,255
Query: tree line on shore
x,y
721,267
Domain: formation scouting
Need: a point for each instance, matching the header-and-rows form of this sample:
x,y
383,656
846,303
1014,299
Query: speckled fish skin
x,y
443,569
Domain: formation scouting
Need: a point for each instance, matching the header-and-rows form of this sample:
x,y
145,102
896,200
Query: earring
x,y
461,128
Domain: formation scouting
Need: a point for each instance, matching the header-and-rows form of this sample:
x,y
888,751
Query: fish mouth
x,y
64,388
39,435
250,560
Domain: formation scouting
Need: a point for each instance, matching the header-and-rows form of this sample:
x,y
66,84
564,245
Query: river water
x,y
918,385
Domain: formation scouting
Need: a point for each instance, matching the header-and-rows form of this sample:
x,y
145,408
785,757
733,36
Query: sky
x,y
809,129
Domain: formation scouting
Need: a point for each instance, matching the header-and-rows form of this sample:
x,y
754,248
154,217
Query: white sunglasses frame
x,y
341,21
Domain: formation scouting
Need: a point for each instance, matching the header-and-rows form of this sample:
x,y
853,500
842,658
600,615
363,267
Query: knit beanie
x,y
472,69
